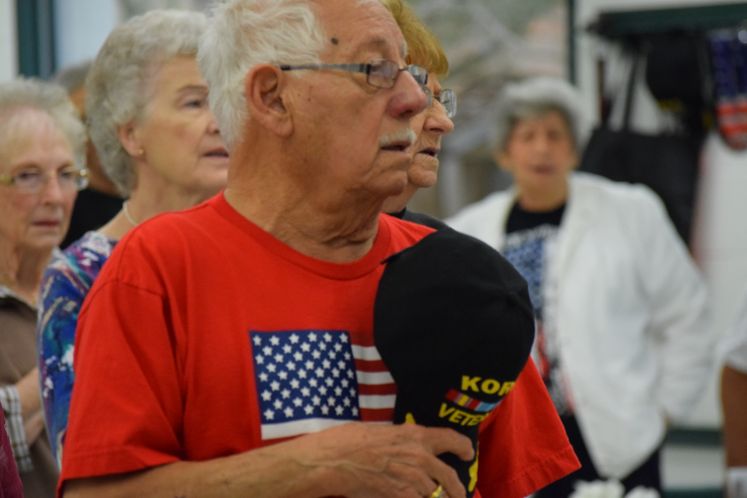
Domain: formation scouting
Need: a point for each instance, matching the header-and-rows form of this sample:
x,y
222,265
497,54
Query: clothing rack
x,y
622,24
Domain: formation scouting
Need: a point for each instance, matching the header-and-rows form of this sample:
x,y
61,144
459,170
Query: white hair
x,y
119,78
537,96
50,98
244,33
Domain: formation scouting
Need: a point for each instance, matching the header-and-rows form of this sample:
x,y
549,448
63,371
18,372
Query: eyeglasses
x,y
32,180
446,98
379,74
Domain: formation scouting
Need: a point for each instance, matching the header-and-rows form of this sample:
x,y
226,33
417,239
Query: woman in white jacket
x,y
622,329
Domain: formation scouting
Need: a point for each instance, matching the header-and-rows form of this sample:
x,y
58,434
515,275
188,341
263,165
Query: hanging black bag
x,y
667,163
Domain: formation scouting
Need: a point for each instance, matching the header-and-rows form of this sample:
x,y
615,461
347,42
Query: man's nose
x,y
409,98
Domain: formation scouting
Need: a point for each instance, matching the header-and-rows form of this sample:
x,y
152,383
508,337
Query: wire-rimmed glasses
x,y
33,180
446,98
380,74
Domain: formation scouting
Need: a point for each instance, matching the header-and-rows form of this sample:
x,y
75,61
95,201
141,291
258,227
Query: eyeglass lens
x,y
447,98
34,180
383,74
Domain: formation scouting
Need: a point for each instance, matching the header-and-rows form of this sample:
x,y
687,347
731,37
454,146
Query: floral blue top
x,y
65,284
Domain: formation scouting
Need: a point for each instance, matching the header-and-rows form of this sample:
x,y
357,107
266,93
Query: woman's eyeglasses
x,y
33,180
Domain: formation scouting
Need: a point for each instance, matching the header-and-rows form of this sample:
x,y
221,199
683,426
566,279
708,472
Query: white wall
x,y
81,27
8,46
720,233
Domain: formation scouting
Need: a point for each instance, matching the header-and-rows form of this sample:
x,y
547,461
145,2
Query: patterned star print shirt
x,y
529,245
65,284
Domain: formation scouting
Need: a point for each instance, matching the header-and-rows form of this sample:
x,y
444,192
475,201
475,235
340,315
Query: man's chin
x,y
397,202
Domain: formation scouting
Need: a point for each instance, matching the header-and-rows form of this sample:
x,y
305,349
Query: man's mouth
x,y
397,142
396,147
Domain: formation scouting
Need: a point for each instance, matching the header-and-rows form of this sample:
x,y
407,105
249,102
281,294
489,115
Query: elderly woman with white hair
x,y
623,339
42,150
158,141
99,201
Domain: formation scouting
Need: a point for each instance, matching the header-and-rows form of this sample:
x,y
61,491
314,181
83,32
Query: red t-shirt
x,y
191,344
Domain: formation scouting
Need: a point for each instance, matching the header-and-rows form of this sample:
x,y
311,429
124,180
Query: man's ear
x,y
264,89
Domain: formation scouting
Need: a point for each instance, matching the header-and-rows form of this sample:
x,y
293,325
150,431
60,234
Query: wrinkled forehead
x,y
358,31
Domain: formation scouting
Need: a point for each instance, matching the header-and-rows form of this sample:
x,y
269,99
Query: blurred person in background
x,y
623,339
159,143
734,404
42,153
100,201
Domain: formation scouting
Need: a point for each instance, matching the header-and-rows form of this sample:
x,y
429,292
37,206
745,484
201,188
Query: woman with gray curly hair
x,y
158,142
42,146
621,311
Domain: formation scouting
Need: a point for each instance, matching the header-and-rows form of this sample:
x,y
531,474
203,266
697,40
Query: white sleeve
x,y
679,308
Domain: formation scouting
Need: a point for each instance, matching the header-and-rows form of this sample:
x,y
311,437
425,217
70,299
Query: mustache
x,y
401,137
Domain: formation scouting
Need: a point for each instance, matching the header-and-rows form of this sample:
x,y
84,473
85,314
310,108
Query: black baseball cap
x,y
454,325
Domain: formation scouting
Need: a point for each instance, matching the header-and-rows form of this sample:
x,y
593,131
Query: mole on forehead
x,y
375,43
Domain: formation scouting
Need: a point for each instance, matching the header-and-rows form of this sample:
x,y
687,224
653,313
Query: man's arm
x,y
353,460
734,404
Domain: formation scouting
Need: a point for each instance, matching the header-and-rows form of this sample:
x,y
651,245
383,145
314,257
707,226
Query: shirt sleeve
x,y
60,303
523,445
11,403
134,422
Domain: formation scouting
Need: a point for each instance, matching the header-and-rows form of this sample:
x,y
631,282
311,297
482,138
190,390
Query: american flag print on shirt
x,y
310,380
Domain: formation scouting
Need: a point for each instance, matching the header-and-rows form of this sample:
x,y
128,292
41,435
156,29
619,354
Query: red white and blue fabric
x,y
309,380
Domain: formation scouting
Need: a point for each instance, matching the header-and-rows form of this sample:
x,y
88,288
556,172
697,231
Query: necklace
x,y
127,214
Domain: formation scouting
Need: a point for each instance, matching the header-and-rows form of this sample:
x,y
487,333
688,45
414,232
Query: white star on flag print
x,y
310,380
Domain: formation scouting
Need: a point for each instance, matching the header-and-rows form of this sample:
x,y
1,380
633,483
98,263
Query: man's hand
x,y
355,460
386,461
